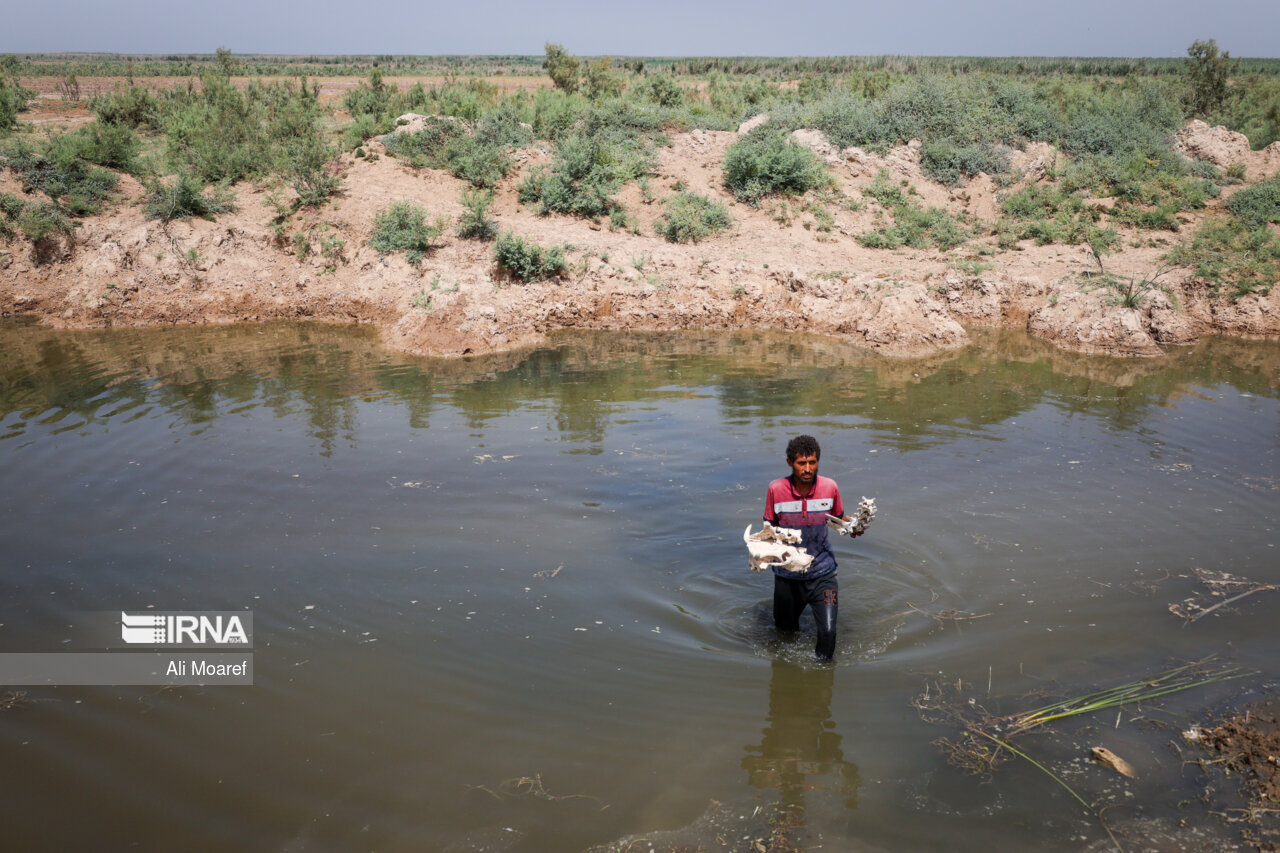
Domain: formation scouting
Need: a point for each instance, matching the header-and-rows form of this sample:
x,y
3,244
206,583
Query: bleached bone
x,y
774,546
865,515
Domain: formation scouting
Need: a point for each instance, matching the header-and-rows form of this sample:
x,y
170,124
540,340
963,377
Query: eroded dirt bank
x,y
775,269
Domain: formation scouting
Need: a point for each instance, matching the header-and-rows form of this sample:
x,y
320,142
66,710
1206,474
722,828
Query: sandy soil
x,y
773,269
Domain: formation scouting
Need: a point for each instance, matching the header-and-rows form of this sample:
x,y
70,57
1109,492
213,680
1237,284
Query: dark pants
x,y
791,596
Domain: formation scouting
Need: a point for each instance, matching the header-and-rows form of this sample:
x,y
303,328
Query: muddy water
x,y
503,604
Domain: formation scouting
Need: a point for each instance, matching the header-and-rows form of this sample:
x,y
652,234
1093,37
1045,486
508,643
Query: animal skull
x,y
773,546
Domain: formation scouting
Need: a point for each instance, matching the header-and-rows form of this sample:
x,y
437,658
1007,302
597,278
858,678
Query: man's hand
x,y
843,526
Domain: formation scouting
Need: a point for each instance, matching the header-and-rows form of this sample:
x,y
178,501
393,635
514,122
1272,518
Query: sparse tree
x,y
562,67
599,81
226,63
1207,73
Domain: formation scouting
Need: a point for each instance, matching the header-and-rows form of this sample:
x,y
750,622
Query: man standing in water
x,y
803,501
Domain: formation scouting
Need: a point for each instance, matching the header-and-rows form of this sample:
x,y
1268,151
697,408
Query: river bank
x,y
780,266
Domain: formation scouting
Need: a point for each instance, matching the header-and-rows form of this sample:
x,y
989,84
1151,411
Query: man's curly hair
x,y
803,445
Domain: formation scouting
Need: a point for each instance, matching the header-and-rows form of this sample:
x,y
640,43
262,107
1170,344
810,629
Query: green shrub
x,y
1207,73
115,146
768,161
600,81
306,163
847,120
372,98
480,157
474,223
948,162
10,211
13,100
528,261
62,174
562,67
10,206
912,225
132,107
48,228
663,90
1225,255
403,227
185,196
1256,205
425,148
589,167
361,128
1046,213
691,217
216,133
1127,124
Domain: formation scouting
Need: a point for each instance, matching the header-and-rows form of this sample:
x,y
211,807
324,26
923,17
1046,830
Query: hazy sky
x,y
647,27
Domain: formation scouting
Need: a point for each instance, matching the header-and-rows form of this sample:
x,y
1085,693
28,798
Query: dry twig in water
x,y
1218,584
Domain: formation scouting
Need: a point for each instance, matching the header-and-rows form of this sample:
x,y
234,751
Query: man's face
x,y
804,469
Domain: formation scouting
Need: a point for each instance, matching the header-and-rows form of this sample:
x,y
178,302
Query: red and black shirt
x,y
783,507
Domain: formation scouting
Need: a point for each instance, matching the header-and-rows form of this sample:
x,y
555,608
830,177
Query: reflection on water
x,y
503,603
800,747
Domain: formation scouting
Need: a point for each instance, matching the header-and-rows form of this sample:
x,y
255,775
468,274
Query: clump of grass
x,y
912,224
1046,213
403,227
1231,257
691,217
766,162
185,196
49,229
985,737
527,261
1239,252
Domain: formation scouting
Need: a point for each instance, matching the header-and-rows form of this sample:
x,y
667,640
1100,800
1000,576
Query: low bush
x,y
1046,213
425,148
184,197
475,223
10,206
528,261
132,107
216,133
948,162
403,227
589,167
766,162
1226,255
13,100
10,210
361,128
1257,205
911,224
58,171
663,90
691,217
480,156
49,229
115,146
